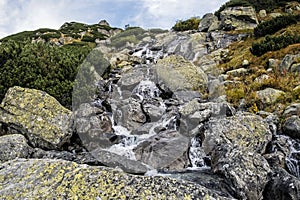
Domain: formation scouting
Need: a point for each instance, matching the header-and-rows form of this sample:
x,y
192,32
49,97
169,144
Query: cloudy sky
x,y
20,15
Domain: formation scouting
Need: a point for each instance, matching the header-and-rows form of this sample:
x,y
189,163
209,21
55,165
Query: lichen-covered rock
x,y
235,145
13,146
179,74
269,95
245,172
57,179
37,115
238,18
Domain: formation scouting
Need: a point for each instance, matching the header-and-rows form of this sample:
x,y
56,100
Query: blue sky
x,y
20,15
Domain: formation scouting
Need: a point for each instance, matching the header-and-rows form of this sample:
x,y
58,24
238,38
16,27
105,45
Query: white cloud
x,y
21,15
156,13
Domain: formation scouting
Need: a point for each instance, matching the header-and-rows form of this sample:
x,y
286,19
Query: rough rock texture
x,y
113,160
209,22
269,95
235,144
179,74
293,109
290,63
13,146
168,150
36,115
283,186
291,127
57,179
238,18
93,126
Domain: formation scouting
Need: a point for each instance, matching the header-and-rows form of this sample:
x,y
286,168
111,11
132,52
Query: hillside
x,y
207,110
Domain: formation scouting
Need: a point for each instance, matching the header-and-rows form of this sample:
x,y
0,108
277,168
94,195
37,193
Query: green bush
x,y
272,26
41,66
190,24
273,43
87,38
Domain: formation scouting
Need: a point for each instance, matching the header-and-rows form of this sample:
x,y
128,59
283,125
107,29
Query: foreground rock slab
x,y
37,116
57,179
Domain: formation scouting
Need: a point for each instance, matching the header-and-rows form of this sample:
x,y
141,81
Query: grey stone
x,y
110,159
167,150
14,146
207,21
291,127
269,95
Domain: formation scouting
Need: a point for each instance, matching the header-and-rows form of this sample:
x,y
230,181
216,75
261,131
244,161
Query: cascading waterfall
x,y
292,160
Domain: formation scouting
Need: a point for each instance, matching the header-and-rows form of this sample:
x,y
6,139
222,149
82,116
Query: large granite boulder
x,y
235,145
179,74
57,179
37,116
238,18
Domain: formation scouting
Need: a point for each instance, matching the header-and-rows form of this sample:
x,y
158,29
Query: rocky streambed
x,y
150,121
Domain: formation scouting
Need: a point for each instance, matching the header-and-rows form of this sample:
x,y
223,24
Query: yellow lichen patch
x,y
37,113
58,179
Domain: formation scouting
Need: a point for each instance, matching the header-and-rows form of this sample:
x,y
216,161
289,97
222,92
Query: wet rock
x,y
36,115
291,127
57,179
282,186
14,146
269,95
238,18
209,22
154,109
130,115
113,160
167,150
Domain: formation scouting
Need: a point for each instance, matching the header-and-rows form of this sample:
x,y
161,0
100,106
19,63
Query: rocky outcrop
x,y
37,116
238,18
67,180
290,63
209,23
